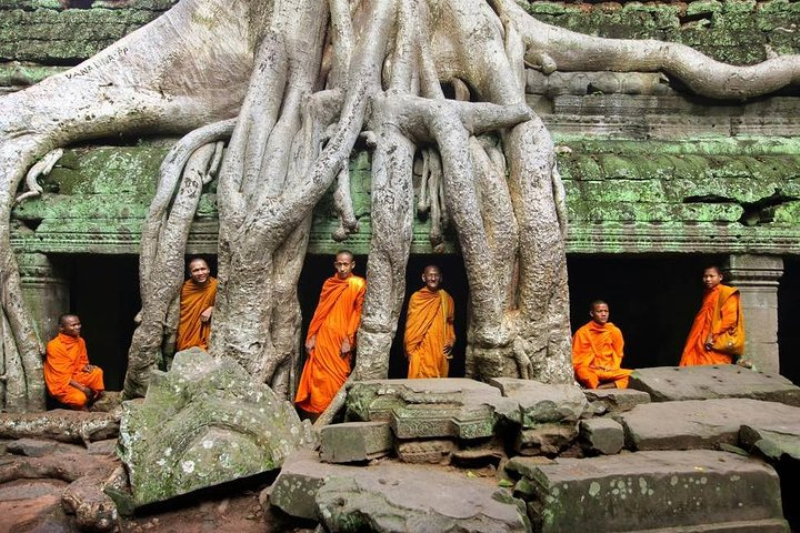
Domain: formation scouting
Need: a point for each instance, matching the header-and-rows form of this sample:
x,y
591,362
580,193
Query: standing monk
x,y
331,337
430,334
70,378
197,306
597,351
720,312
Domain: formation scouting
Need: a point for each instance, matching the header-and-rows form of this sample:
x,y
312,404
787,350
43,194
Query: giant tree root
x,y
60,425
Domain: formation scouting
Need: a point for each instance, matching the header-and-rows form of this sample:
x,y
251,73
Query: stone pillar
x,y
757,278
45,289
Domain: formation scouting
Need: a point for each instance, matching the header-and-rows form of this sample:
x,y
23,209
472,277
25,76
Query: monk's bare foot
x,y
606,386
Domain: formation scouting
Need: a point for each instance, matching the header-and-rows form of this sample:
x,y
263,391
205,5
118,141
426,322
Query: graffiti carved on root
x,y
291,87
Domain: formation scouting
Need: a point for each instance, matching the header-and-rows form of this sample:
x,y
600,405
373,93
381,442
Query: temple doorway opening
x,y
104,292
653,300
789,320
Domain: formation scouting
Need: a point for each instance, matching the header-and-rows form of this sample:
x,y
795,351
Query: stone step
x,y
391,497
703,423
664,491
667,384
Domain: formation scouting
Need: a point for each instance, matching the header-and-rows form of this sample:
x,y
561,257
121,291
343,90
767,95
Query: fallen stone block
x,y
775,444
671,384
393,497
617,400
664,491
602,436
698,424
32,447
199,427
430,408
542,403
434,451
546,439
355,441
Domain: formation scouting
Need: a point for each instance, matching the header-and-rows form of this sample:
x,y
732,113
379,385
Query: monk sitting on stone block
x,y
430,335
331,337
717,335
597,352
70,378
197,305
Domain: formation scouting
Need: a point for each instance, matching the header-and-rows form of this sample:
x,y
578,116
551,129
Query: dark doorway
x,y
653,300
789,320
104,291
318,268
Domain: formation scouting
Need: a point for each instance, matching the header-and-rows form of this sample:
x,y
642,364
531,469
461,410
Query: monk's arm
x,y
618,344
450,331
205,316
582,355
730,315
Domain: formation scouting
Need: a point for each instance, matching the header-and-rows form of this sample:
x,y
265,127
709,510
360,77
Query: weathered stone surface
x,y
703,423
665,384
430,408
102,447
653,491
355,441
432,451
393,498
616,400
542,403
32,447
34,506
199,426
59,424
601,436
547,439
774,444
93,509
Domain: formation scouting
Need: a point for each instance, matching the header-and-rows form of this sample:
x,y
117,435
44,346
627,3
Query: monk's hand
x,y
346,346
205,316
310,343
448,351
88,368
709,342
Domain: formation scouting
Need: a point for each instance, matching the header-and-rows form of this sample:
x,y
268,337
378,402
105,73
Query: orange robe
x,y
429,326
336,318
66,359
597,352
695,353
194,300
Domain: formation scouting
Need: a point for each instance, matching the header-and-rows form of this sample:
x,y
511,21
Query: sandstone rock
x,y
103,447
773,445
664,491
548,439
93,509
617,400
199,426
666,384
32,447
355,441
430,408
601,436
391,497
701,424
543,403
432,451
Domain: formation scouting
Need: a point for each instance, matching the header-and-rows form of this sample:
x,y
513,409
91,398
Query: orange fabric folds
x,y
597,352
66,359
337,317
194,300
719,312
429,326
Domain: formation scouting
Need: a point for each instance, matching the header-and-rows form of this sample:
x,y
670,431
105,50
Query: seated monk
x,y
430,335
70,378
197,305
331,337
597,352
720,312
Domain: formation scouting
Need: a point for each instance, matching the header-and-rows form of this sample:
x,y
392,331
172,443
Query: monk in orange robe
x,y
197,306
430,334
70,378
708,324
597,352
331,337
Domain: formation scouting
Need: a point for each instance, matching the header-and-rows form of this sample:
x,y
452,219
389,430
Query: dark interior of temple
x,y
652,299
